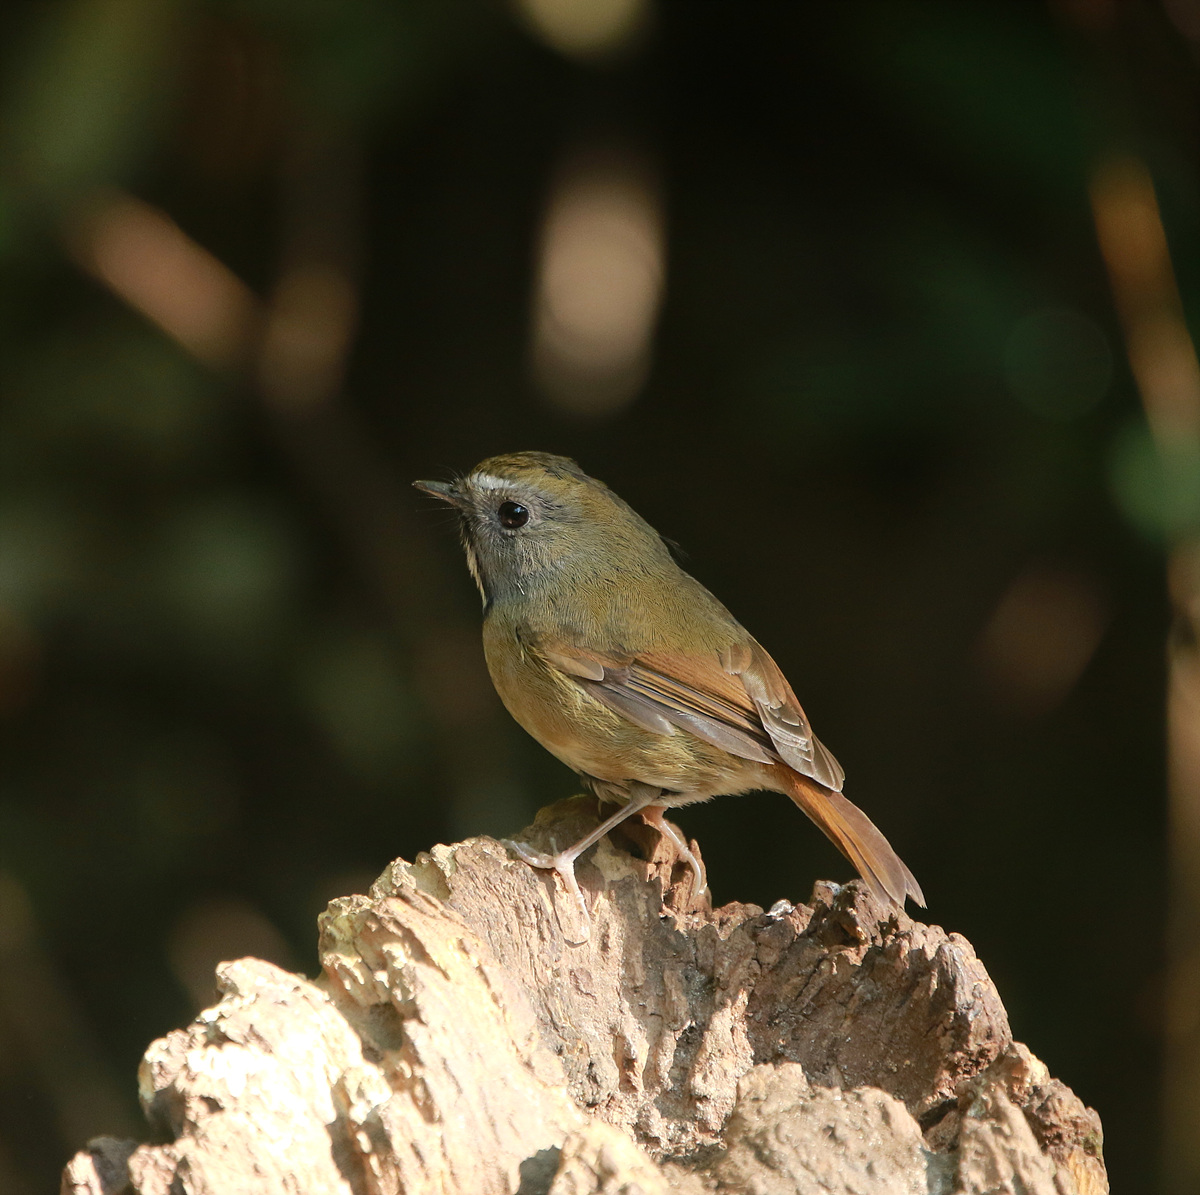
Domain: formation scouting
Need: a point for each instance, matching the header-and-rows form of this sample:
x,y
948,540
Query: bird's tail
x,y
855,835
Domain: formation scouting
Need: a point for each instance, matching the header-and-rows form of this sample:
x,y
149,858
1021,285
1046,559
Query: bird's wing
x,y
781,713
736,699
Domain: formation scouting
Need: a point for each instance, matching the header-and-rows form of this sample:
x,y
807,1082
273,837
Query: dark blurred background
x,y
843,298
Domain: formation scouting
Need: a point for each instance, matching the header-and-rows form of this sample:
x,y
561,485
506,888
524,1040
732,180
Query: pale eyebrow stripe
x,y
489,481
486,481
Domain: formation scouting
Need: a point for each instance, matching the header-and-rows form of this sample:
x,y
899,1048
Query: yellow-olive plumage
x,y
628,670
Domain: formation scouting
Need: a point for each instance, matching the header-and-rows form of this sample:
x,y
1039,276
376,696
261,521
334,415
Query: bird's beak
x,y
445,490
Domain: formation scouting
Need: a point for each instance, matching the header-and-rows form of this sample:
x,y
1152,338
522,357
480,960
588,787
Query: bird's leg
x,y
641,796
655,816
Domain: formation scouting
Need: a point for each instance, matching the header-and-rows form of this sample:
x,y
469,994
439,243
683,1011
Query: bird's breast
x,y
555,710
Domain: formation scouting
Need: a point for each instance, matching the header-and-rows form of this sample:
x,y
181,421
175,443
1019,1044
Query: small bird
x,y
629,671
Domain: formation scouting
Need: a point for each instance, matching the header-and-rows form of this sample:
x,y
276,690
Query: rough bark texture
x,y
462,1040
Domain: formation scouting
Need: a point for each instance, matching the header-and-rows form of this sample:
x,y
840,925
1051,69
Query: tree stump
x,y
463,1040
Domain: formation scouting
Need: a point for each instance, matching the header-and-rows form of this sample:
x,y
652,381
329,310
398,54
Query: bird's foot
x,y
563,864
655,816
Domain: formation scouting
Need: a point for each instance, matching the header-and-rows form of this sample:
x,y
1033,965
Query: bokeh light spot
x,y
216,930
308,330
586,28
1041,635
600,280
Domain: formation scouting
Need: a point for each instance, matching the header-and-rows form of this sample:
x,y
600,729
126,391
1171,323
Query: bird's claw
x,y
563,865
534,858
660,823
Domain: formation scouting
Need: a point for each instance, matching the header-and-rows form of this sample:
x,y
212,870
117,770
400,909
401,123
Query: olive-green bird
x,y
628,670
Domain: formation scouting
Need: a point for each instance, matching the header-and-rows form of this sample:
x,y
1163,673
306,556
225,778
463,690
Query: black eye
x,y
513,515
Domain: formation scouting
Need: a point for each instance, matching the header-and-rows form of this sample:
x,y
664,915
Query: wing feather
x,y
574,663
782,715
641,711
737,700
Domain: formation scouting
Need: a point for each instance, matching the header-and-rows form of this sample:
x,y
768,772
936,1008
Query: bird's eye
x,y
513,515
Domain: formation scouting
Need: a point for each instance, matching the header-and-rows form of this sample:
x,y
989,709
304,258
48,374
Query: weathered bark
x,y
462,1041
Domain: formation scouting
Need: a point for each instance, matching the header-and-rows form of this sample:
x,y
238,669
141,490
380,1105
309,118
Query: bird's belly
x,y
595,741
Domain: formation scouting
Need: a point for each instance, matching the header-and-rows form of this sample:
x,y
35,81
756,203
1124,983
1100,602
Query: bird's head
x,y
532,517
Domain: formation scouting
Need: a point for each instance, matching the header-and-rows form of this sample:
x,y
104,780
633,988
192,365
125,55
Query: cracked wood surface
x,y
461,1040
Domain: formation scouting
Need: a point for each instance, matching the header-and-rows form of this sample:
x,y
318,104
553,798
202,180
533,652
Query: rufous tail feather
x,y
855,835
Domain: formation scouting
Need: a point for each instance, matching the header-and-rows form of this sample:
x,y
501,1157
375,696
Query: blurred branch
x,y
1133,244
139,253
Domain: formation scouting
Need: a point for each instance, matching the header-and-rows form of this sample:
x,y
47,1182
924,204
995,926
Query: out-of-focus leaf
x,y
39,552
227,571
358,694
1058,363
1157,488
96,80
121,386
